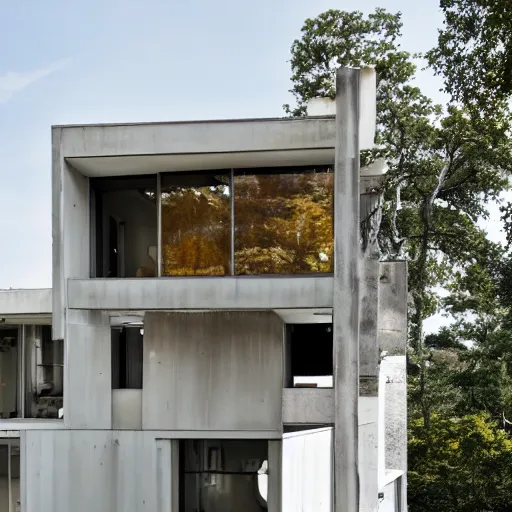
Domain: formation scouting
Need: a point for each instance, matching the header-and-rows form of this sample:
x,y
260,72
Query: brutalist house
x,y
221,335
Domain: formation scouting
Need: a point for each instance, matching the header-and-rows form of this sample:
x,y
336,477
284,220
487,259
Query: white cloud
x,y
14,81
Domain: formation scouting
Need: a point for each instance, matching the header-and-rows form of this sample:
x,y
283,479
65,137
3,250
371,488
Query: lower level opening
x,y
10,475
223,475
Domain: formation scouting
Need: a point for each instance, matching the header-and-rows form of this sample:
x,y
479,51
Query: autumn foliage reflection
x,y
284,223
196,226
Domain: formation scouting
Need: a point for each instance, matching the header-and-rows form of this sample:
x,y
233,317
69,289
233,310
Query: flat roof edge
x,y
197,121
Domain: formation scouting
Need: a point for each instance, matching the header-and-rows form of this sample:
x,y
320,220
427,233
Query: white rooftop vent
x,y
376,168
321,107
318,107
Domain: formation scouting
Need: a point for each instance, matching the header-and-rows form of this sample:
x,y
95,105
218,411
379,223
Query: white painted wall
x,y
388,504
307,471
382,428
368,453
394,372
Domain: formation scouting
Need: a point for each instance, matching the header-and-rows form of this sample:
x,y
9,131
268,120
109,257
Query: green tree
x,y
459,465
443,164
474,53
339,38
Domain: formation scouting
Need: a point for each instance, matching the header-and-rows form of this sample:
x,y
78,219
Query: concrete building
x,y
213,338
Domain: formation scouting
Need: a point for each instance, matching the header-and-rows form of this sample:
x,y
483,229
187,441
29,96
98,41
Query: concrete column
x,y
275,476
346,292
370,213
70,231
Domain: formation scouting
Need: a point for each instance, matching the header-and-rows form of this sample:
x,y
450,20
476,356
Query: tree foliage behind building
x,y
446,163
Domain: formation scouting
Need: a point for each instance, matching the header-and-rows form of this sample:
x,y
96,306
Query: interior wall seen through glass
x,y
31,372
283,222
196,224
125,226
44,373
221,475
9,476
9,357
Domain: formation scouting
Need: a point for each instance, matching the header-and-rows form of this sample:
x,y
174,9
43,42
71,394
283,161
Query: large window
x,y
213,223
31,372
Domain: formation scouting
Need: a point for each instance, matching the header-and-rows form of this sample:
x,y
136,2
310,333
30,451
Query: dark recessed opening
x,y
127,353
309,355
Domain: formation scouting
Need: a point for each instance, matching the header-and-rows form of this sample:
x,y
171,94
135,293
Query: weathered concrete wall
x,y
369,321
201,293
25,302
303,406
70,230
87,372
219,371
104,471
127,409
197,137
393,307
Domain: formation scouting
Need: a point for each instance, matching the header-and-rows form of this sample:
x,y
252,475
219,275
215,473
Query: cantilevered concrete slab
x,y
147,148
229,293
186,137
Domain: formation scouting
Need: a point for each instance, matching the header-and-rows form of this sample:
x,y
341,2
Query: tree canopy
x,y
446,163
474,53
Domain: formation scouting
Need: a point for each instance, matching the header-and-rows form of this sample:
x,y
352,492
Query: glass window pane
x,y
9,372
196,224
15,478
44,359
124,226
127,355
284,222
9,475
221,475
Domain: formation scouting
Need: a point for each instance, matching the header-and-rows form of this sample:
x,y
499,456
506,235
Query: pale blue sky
x,y
124,60
121,60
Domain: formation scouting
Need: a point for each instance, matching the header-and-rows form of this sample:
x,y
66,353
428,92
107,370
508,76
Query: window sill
x,y
16,424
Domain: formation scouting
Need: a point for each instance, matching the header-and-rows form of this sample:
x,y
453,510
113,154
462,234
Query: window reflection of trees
x,y
283,223
195,225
